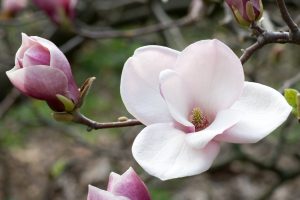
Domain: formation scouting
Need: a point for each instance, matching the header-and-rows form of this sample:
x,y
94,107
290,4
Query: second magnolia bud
x,y
246,11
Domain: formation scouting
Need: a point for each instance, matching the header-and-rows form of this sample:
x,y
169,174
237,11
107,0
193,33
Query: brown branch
x,y
190,18
93,125
267,38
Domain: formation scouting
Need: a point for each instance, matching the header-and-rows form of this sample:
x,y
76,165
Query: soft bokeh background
x,y
44,159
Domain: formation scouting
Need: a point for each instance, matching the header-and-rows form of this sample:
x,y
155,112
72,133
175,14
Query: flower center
x,y
198,119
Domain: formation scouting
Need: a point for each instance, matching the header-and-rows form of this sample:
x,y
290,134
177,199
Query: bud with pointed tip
x,y
127,186
43,72
246,11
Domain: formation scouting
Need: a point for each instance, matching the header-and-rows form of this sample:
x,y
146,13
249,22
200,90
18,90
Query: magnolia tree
x,y
189,102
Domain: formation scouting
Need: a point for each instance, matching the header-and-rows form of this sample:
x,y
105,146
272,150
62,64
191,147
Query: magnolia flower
x,y
12,7
42,71
246,11
58,10
127,186
191,101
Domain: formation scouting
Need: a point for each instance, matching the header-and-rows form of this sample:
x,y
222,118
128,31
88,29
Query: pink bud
x,y
127,186
13,6
246,11
58,10
42,71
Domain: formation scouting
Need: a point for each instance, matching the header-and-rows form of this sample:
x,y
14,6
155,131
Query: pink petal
x,y
224,120
128,185
140,83
59,61
163,152
26,43
113,178
263,110
214,74
57,58
36,55
179,101
41,82
98,194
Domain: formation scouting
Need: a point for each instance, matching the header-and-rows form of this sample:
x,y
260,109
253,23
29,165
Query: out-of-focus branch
x,y
71,44
192,16
173,35
289,82
8,101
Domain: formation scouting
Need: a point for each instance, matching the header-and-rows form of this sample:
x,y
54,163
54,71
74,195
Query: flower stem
x,y
93,125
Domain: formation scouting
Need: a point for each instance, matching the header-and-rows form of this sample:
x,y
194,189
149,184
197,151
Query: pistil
x,y
198,119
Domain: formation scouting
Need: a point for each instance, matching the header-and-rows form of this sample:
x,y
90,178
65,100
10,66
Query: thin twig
x,y
173,36
91,124
267,38
190,18
8,101
289,82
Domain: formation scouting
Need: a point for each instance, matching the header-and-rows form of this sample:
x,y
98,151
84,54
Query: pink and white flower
x,y
127,186
42,71
190,101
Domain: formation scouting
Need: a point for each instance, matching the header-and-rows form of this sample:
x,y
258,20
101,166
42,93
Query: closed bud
x,y
246,11
43,72
127,186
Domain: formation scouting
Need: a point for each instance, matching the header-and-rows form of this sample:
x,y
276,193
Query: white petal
x,y
213,73
224,120
140,83
263,110
163,152
177,97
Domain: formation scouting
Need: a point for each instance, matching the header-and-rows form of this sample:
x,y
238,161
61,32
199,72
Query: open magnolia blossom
x,y
42,71
190,101
127,186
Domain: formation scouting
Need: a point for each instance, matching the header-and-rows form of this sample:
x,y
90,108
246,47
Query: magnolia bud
x,y
246,11
43,72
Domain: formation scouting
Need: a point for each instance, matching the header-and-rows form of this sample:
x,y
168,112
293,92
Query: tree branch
x,y
93,125
190,18
267,38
